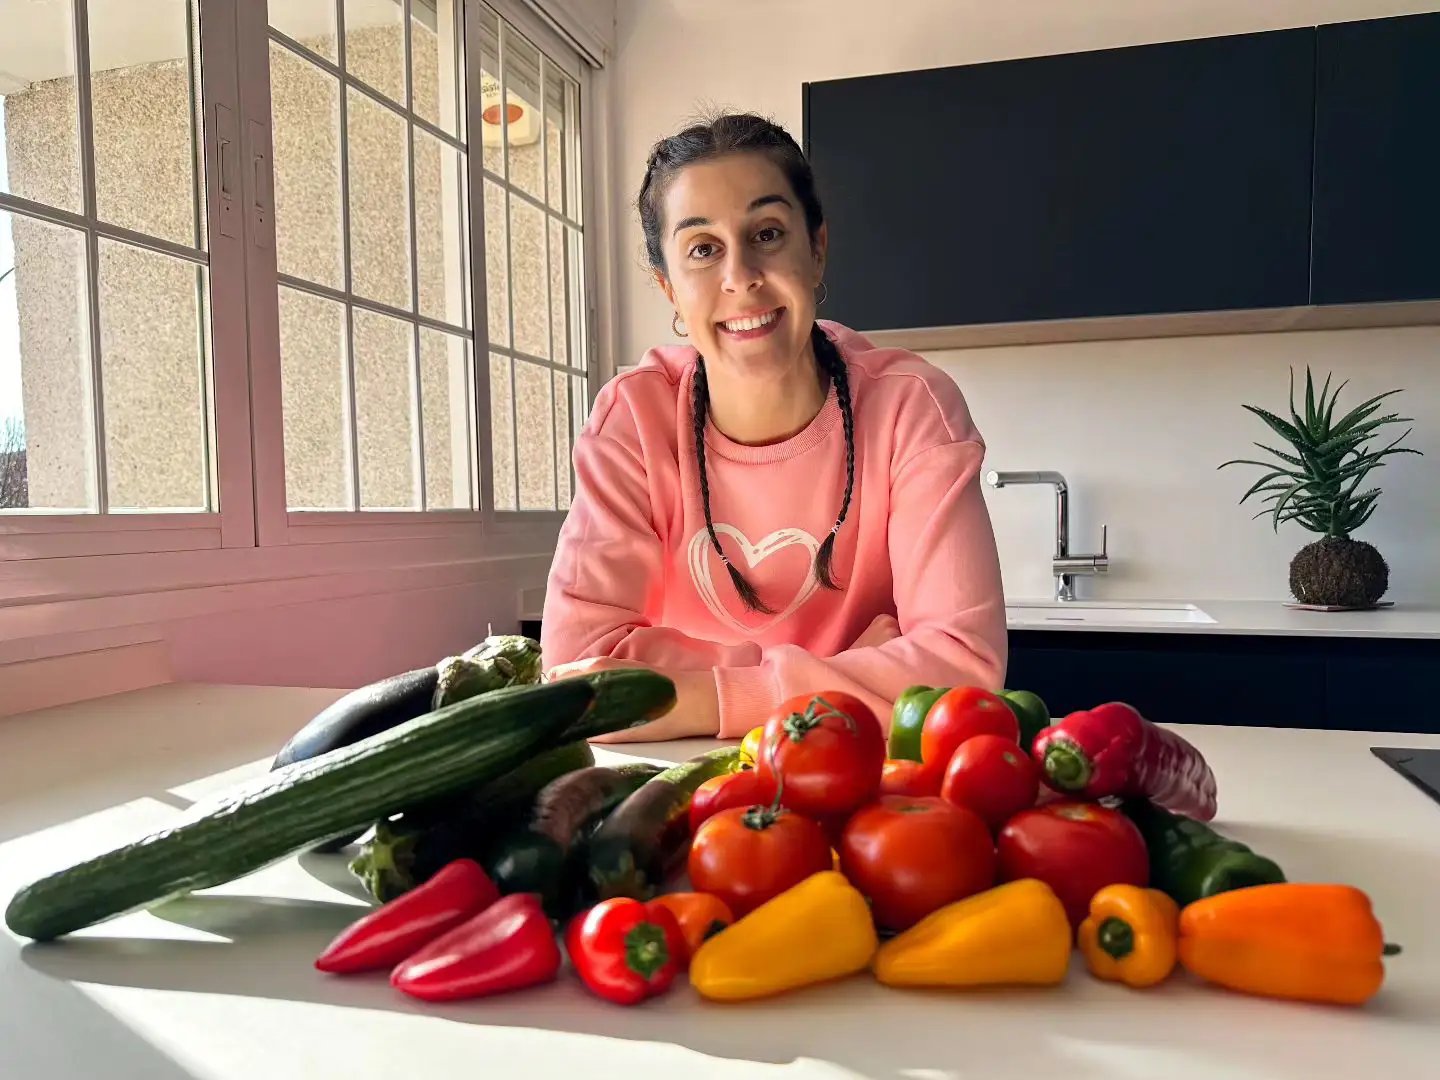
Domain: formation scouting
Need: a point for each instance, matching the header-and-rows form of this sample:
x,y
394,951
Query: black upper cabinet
x,y
1160,178
1377,161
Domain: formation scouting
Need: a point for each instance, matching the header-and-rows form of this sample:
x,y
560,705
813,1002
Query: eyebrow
x,y
756,204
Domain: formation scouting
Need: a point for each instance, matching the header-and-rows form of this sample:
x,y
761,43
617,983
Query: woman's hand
x,y
696,713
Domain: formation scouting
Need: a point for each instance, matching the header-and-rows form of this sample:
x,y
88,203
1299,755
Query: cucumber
x,y
281,812
644,841
411,849
624,698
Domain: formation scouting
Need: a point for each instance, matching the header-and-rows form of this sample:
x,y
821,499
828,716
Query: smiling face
x,y
740,266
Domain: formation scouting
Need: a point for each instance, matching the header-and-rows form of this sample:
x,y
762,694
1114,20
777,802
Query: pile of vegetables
x,y
979,844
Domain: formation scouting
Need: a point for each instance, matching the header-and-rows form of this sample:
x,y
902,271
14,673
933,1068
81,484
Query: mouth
x,y
749,327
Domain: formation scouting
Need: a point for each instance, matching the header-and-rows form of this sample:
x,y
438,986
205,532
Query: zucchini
x,y
644,841
624,698
411,849
281,812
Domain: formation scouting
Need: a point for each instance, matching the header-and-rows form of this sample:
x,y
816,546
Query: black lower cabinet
x,y
1254,681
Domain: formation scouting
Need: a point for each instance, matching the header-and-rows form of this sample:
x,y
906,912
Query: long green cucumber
x,y
281,812
624,698
642,844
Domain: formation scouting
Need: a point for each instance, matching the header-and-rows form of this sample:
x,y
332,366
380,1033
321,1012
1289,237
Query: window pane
x,y
502,433
442,250
574,187
385,412
375,45
46,408
434,44
557,135
534,404
559,320
564,387
312,375
305,128
39,126
445,419
497,265
379,203
155,370
575,307
142,98
521,115
490,131
530,296
310,22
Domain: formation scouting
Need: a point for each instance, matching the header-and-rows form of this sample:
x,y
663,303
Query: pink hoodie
x,y
635,575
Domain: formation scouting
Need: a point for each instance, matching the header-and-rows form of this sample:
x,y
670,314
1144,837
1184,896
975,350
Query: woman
x,y
775,507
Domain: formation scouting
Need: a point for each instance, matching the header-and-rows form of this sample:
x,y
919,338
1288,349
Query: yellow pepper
x,y
814,932
1130,935
1014,934
750,747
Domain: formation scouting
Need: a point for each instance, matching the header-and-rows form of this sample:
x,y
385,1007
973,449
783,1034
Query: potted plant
x,y
1318,485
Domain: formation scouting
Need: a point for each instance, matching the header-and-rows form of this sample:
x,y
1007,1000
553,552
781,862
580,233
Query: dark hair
x,y
738,133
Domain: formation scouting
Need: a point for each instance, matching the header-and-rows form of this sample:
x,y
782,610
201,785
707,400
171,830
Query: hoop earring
x,y
675,329
824,294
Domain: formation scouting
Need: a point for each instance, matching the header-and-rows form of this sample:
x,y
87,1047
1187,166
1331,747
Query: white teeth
x,y
752,323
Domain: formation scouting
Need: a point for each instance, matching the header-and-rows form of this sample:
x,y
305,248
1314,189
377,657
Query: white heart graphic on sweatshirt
x,y
779,540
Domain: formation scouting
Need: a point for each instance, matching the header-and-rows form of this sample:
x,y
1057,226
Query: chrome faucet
x,y
1064,565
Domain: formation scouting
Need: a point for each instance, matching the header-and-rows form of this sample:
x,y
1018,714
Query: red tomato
x,y
826,751
991,775
911,856
909,778
748,856
722,792
960,714
1076,848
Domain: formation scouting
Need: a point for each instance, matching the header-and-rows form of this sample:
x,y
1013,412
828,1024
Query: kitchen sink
x,y
1102,612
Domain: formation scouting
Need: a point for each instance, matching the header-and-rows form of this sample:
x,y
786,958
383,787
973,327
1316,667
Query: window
x,y
306,271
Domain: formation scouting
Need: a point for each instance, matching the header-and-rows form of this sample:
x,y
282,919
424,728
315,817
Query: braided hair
x,y
733,133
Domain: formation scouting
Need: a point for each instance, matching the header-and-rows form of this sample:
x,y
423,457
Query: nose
x,y
742,272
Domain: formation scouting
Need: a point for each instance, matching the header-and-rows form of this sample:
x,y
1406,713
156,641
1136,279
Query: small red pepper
x,y
397,928
626,951
508,946
1113,750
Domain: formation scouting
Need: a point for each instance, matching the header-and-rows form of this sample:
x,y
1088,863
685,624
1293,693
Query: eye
x,y
702,250
769,235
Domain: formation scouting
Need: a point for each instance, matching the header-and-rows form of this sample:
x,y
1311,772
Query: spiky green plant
x,y
1318,486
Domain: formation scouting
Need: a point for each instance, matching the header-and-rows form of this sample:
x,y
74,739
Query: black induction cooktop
x,y
1420,767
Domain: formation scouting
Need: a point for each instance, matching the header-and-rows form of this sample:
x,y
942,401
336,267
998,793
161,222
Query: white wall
x,y
1138,427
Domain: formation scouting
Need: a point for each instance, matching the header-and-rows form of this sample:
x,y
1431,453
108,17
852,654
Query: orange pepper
x,y
1297,940
700,916
1129,935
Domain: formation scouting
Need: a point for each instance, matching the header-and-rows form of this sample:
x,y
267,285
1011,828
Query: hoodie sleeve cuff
x,y
747,696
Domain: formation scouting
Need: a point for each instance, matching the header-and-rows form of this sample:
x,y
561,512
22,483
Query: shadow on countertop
x,y
1082,1030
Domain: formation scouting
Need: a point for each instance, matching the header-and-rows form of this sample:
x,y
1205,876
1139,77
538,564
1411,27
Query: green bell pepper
x,y
907,718
1031,711
1190,861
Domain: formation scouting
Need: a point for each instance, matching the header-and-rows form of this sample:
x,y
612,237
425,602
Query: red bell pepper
x,y
396,929
1113,750
508,946
625,950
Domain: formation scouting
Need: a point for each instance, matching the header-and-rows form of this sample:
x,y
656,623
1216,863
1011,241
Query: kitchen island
x,y
220,986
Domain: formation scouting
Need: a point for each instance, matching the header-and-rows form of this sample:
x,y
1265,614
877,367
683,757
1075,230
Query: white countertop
x,y
223,989
1262,617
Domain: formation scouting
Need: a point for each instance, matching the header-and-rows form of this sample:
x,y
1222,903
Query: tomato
x,y
913,855
750,747
991,775
748,856
961,713
825,751
1076,848
722,792
909,778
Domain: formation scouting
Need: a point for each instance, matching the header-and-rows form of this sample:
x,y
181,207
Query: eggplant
x,y
361,713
